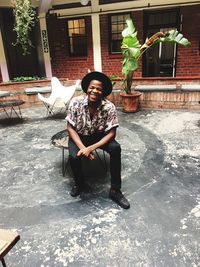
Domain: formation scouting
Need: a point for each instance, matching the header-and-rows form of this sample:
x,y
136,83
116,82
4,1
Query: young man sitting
x,y
92,123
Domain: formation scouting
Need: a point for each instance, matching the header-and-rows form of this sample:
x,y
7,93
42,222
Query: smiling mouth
x,y
93,95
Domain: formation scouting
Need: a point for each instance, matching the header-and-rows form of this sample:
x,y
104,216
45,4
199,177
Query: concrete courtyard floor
x,y
161,179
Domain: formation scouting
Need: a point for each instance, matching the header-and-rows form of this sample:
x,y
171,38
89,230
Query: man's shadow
x,y
96,172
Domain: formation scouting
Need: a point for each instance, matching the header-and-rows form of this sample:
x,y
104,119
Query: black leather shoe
x,y
119,198
75,191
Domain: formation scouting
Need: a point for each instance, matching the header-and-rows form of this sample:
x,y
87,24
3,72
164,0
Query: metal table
x,y
4,93
12,105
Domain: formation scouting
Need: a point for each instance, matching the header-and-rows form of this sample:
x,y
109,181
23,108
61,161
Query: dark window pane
x,y
118,23
77,37
162,18
116,46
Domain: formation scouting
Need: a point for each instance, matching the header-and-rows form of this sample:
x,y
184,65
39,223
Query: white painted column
x,y
96,42
45,46
3,63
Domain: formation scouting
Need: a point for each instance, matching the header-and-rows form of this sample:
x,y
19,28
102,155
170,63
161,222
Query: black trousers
x,y
112,148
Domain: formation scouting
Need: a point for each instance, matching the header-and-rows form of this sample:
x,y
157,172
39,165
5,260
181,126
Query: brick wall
x,y
64,65
111,63
19,87
178,99
188,60
170,100
163,100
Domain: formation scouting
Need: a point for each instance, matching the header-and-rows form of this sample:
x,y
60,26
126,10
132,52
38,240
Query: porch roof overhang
x,y
74,7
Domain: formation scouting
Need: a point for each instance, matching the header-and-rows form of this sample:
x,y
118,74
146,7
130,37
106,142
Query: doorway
x,y
160,60
18,65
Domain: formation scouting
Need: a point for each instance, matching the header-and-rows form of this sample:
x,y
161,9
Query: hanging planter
x,y
25,17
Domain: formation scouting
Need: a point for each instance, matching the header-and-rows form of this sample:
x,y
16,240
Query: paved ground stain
x,y
160,173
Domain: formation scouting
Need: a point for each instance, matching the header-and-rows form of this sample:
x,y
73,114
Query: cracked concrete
x,y
160,172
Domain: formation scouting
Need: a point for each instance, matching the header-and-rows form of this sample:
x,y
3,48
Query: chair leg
x,y
63,162
49,109
102,161
3,262
104,157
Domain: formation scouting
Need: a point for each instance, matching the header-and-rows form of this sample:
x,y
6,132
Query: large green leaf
x,y
133,65
130,29
172,36
175,37
129,65
134,52
131,42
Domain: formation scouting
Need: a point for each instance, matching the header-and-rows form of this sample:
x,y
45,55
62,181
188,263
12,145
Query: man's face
x,y
95,91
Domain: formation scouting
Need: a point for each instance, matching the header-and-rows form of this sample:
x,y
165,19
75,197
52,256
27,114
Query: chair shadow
x,y
96,167
11,121
56,116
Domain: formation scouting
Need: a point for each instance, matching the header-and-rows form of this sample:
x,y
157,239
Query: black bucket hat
x,y
99,76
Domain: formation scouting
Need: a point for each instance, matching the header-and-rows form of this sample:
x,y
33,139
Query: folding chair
x,y
60,140
60,96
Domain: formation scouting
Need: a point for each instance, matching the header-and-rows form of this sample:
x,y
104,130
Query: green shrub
x,y
26,78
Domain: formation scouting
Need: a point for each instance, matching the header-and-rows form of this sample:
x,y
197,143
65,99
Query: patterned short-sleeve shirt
x,y
104,119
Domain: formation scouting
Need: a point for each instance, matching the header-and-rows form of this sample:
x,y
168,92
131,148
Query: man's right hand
x,y
86,151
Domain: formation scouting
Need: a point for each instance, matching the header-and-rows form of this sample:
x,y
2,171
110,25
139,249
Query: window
x,y
160,60
77,37
117,24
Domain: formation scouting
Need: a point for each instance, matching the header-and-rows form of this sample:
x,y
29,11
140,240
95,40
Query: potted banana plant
x,y
132,50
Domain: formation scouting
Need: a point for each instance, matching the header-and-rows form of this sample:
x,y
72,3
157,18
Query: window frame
x,y
110,31
69,39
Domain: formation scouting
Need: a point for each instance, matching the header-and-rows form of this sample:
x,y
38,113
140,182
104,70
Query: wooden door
x,y
18,64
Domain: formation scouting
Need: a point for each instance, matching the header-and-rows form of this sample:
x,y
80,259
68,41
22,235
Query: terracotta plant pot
x,y
130,102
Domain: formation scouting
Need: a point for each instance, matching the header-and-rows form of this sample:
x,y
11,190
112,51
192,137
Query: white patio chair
x,y
60,96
